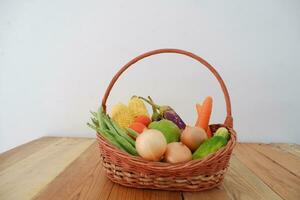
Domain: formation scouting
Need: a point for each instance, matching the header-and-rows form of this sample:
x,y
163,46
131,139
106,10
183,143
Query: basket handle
x,y
228,121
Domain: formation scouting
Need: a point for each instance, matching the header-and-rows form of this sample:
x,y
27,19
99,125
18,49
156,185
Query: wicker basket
x,y
195,175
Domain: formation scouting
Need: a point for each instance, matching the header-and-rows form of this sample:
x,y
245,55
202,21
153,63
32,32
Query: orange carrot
x,y
144,119
204,115
137,126
198,108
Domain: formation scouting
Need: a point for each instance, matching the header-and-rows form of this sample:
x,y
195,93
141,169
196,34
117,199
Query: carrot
x,y
144,119
137,126
204,114
198,108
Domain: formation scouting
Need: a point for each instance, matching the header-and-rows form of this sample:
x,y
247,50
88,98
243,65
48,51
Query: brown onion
x,y
192,137
177,152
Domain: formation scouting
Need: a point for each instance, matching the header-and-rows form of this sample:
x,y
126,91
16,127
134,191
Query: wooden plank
x,y
27,177
124,193
82,179
283,158
241,183
218,193
292,148
276,177
17,154
70,168
96,186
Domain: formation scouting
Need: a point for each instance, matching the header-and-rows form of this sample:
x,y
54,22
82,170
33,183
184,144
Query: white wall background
x,y
57,57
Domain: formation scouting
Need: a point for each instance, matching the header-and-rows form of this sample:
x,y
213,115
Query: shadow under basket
x,y
195,175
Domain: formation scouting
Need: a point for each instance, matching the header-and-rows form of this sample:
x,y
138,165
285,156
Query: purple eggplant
x,y
171,115
165,112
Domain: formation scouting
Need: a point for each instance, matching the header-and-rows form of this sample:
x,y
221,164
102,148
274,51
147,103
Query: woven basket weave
x,y
195,175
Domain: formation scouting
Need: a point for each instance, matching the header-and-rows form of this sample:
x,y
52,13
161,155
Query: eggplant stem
x,y
150,102
150,99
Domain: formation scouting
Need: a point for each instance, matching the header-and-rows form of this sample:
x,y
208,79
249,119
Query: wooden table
x,y
69,168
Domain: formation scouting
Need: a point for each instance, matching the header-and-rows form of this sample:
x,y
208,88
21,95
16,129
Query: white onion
x,y
192,137
151,145
177,152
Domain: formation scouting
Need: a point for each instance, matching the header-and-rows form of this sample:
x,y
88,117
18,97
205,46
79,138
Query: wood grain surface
x,y
70,168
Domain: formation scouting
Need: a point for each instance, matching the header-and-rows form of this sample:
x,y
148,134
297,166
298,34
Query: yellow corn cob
x,y
137,107
121,114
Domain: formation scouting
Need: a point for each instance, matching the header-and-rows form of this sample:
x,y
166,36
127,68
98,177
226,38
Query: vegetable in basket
x,y
198,108
140,123
143,119
213,144
165,112
132,133
156,116
223,132
121,114
137,107
204,112
177,152
125,115
123,129
168,128
112,132
151,145
193,137
137,127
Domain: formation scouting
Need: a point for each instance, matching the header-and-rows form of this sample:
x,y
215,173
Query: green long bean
x,y
117,136
108,137
112,128
123,133
95,121
131,132
122,141
100,117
